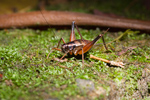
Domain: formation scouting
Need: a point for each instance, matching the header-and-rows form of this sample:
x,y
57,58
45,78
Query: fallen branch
x,y
65,18
113,63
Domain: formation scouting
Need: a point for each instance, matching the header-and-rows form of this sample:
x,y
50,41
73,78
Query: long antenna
x,y
46,21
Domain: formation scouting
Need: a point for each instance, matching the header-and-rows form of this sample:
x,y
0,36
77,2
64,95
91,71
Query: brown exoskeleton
x,y
79,46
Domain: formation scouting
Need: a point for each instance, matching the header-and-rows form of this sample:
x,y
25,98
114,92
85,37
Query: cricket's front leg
x,y
57,47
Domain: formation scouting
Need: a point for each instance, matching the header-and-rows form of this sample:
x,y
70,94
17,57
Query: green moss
x,y
23,61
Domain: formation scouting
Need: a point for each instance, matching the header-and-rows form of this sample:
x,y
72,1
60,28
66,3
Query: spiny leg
x,y
72,35
88,46
78,31
82,58
104,40
104,43
52,50
57,47
62,57
60,41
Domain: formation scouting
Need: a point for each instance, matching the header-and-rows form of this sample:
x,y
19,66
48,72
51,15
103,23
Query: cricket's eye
x,y
70,47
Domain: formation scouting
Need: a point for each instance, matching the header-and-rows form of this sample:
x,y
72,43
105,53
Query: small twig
x,y
113,63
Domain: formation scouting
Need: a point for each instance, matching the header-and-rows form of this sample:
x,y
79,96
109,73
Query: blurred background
x,y
137,9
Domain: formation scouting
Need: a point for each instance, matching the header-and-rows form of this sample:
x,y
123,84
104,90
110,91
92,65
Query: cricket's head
x,y
64,48
67,47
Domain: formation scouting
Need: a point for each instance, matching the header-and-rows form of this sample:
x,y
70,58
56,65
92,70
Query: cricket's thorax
x,y
73,46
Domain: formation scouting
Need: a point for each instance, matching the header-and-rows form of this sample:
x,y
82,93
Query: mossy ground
x,y
28,74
